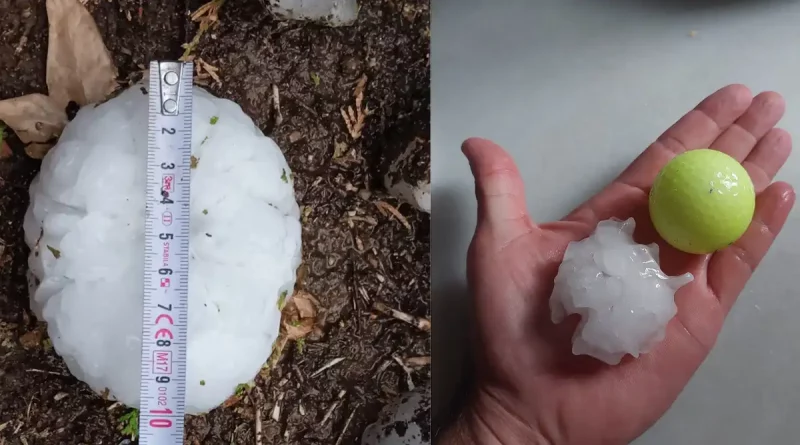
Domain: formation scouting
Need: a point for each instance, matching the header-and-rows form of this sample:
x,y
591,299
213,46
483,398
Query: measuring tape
x,y
166,265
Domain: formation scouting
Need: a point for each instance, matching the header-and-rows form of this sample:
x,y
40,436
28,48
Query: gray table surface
x,y
575,89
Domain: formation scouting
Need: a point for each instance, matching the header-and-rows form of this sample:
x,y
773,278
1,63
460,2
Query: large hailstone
x,y
617,287
85,227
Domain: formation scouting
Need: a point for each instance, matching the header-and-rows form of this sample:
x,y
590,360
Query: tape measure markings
x,y
166,275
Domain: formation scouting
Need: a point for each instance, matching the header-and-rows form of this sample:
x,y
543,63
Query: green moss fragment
x,y
282,300
129,423
56,253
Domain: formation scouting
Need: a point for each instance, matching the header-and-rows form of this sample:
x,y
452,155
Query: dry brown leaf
x,y
5,151
37,150
35,117
304,302
299,329
354,119
79,67
299,315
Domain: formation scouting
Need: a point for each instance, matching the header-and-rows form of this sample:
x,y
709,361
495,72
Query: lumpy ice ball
x,y
617,287
85,227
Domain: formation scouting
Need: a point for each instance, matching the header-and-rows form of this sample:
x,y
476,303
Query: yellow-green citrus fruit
x,y
702,201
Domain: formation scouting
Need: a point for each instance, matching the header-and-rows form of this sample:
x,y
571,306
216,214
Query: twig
x,y
258,424
330,364
47,372
382,205
276,100
407,370
114,406
418,362
420,322
346,425
332,408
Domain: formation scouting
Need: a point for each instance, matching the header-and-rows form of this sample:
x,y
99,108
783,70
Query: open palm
x,y
531,388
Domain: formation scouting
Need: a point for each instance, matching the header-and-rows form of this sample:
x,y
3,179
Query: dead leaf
x,y
5,151
354,118
299,329
231,401
300,315
305,305
35,117
36,150
79,67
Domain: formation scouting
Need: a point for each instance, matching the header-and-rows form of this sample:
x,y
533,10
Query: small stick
x,y
420,322
418,362
407,370
47,372
333,407
258,425
330,364
276,98
346,425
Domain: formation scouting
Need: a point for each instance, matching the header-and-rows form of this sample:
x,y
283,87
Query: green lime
x,y
702,201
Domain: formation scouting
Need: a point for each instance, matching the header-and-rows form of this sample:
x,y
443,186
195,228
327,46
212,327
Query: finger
x,y
769,155
730,268
499,190
741,137
696,129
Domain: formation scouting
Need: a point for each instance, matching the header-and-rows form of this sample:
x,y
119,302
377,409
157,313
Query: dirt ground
x,y
354,253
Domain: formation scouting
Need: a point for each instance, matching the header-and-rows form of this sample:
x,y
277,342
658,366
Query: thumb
x,y
499,190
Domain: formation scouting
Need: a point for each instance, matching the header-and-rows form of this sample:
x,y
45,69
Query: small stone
x,y
295,136
351,65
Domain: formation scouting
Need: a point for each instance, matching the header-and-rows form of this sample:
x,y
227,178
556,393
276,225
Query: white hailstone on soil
x,y
330,12
617,287
85,226
404,421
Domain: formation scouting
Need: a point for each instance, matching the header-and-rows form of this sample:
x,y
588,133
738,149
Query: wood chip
x,y
329,365
420,322
418,362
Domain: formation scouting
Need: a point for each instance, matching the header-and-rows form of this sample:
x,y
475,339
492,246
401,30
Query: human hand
x,y
530,388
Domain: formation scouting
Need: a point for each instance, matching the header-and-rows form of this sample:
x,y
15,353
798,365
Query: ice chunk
x,y
331,12
85,228
404,421
617,287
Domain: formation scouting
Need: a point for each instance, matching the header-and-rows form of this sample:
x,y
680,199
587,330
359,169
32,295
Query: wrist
x,y
486,421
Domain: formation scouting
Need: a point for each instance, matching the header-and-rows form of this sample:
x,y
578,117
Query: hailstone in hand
x,y
85,228
617,287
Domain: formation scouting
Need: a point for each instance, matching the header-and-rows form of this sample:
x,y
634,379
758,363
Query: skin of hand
x,y
530,388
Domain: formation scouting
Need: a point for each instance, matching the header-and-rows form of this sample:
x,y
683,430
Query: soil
x,y
355,252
